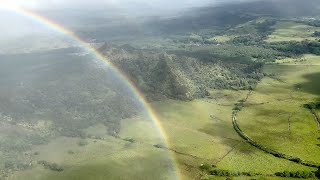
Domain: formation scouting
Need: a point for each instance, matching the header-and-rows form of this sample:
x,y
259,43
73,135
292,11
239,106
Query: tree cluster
x,y
297,174
316,34
312,105
296,48
212,170
51,166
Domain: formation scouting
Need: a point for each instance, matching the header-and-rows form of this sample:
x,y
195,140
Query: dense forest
x,y
184,75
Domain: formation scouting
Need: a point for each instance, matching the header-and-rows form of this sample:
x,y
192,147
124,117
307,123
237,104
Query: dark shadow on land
x,y
226,135
312,85
130,167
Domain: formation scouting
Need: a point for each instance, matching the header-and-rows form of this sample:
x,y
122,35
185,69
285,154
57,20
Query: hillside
x,y
231,14
179,75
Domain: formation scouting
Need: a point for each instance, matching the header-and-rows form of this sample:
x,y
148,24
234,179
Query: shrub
x,y
70,152
317,173
83,142
312,105
316,34
129,140
237,108
51,166
22,166
160,146
218,172
205,167
297,174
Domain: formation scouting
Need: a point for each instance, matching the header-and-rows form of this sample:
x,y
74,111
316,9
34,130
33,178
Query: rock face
x,y
160,75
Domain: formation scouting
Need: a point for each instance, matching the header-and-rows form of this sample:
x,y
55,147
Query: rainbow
x,y
86,46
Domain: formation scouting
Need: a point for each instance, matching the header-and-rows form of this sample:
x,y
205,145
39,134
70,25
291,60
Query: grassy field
x,y
194,134
101,159
290,31
248,178
203,129
274,115
198,132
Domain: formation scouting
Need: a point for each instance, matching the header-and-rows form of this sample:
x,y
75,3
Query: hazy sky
x,y
51,4
62,9
71,13
143,7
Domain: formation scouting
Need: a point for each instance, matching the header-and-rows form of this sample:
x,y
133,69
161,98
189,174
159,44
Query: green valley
x,y
226,91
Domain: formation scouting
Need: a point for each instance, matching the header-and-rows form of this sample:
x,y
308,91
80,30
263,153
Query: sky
x,y
76,10
142,7
72,13
56,4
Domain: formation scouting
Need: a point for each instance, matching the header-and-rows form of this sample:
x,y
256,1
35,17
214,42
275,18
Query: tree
x,y
318,173
316,34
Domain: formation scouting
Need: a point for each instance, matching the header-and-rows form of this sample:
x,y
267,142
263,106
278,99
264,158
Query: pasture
x,y
291,31
198,132
274,115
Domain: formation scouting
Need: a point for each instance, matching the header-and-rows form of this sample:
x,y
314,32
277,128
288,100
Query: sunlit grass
x,y
290,31
104,159
245,158
141,130
198,131
274,115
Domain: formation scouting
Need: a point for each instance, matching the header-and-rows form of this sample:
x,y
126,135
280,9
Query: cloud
x,y
57,4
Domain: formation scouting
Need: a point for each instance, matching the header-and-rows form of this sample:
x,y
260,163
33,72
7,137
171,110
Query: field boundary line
x,y
266,149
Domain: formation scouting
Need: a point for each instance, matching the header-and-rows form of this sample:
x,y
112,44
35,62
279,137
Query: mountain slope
x,y
180,76
234,13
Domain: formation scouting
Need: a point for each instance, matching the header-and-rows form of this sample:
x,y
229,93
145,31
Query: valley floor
x,y
201,132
